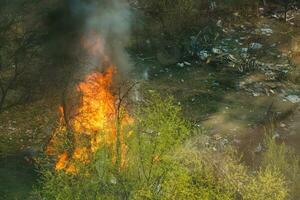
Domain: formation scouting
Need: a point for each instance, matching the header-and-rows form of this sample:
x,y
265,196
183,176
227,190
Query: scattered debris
x,y
187,63
293,98
276,135
217,51
259,148
203,55
266,31
255,94
255,46
282,125
180,64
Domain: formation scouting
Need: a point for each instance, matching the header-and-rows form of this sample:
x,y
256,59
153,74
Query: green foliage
x,y
283,159
162,164
193,177
220,175
158,129
267,185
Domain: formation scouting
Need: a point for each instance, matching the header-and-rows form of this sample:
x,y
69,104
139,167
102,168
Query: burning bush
x,y
157,129
97,120
161,166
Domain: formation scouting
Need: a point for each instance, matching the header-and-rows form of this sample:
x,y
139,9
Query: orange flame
x,y
95,118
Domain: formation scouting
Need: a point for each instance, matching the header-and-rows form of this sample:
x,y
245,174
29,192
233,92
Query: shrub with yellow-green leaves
x,y
163,163
268,184
281,158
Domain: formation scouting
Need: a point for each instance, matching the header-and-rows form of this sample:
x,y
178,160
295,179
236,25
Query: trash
x,y
212,5
203,55
231,57
224,142
219,23
259,148
282,125
266,31
293,98
276,16
255,46
187,63
255,94
244,50
180,64
216,51
276,136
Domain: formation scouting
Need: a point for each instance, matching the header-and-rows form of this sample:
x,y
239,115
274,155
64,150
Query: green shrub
x,y
162,164
285,160
269,184
158,129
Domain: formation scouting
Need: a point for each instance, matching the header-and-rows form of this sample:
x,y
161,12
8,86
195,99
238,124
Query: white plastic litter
x,y
293,98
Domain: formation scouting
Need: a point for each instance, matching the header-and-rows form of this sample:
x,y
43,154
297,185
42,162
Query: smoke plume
x,y
108,20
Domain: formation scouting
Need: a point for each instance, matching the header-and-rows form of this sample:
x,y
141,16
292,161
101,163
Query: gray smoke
x,y
110,19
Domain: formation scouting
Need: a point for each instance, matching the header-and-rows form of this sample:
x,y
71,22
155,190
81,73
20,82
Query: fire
x,y
97,110
95,120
